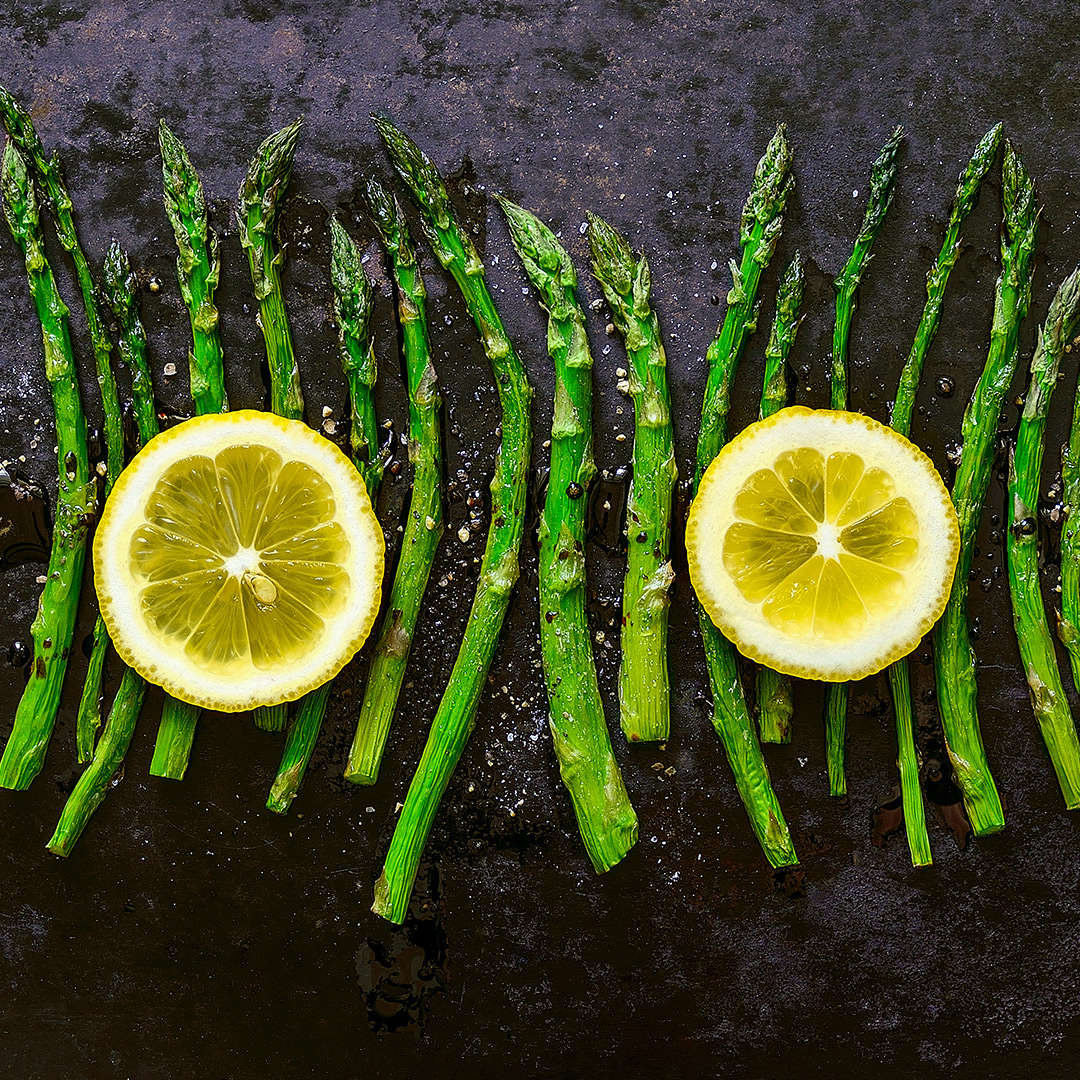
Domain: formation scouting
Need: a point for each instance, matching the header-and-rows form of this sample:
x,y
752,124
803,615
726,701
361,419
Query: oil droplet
x,y
946,386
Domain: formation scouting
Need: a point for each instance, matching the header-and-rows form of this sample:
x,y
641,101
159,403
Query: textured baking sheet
x,y
193,933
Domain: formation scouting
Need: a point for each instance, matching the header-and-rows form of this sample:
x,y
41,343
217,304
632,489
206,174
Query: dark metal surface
x,y
193,933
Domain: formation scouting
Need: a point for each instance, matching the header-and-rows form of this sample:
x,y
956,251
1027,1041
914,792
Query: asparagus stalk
x,y
644,693
731,718
260,199
606,820
967,194
907,761
499,567
353,304
299,746
954,658
54,623
424,525
1068,628
1029,616
882,186
197,269
774,694
261,196
50,176
119,289
93,785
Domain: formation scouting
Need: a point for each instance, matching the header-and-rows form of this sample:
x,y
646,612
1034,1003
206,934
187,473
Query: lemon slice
x,y
822,543
238,561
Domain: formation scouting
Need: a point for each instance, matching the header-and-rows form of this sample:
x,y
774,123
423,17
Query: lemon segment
x,y
822,543
238,561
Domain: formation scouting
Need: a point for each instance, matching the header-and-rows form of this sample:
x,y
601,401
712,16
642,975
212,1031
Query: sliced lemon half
x,y
822,543
238,561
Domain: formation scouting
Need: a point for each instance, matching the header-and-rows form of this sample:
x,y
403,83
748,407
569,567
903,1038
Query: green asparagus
x,y
94,783
424,524
606,820
1068,628
954,658
261,196
760,225
1029,616
260,200
774,693
49,175
353,304
967,194
54,625
644,693
882,186
119,290
197,270
499,568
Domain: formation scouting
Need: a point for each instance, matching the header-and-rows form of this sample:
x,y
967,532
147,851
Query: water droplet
x,y
946,386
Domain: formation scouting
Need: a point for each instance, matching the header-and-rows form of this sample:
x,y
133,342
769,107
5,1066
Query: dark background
x,y
193,933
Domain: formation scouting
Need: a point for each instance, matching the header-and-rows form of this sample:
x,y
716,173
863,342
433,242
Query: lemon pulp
x,y
822,543
238,561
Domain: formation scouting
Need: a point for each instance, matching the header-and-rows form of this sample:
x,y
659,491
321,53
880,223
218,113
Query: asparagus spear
x,y
119,289
499,567
260,198
882,186
731,718
1029,616
606,820
644,694
93,785
424,525
774,694
49,175
353,304
954,658
967,194
54,624
197,269
1068,628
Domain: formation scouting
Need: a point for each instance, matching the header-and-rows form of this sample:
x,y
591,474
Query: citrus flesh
x,y
822,543
238,561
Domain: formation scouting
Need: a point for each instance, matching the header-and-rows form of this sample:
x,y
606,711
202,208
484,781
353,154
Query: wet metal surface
x,y
193,933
